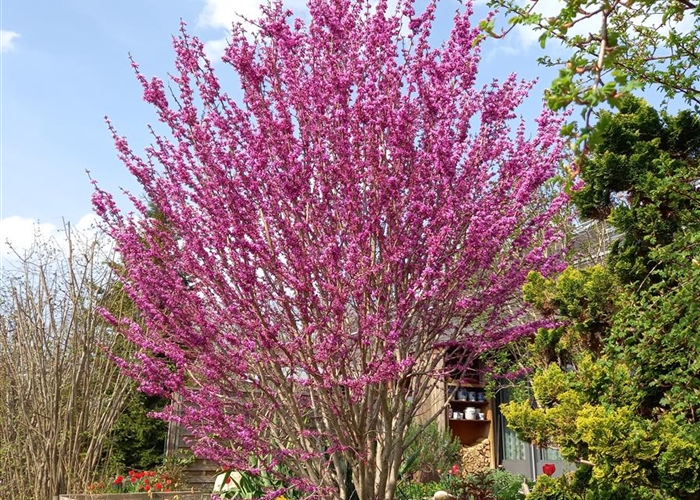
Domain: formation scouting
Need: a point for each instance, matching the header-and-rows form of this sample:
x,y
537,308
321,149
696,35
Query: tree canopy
x,y
610,49
614,43
325,238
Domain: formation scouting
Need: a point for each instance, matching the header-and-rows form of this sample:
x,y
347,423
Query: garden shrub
x,y
430,453
615,379
506,485
138,440
488,484
417,491
582,485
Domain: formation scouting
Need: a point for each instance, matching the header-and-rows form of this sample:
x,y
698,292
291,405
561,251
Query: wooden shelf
x,y
468,380
471,384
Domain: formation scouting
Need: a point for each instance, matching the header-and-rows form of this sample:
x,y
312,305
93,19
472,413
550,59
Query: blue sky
x,y
65,66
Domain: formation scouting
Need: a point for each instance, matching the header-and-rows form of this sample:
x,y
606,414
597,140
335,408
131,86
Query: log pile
x,y
476,457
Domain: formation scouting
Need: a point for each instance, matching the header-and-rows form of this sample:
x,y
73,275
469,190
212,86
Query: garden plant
x,y
616,383
327,230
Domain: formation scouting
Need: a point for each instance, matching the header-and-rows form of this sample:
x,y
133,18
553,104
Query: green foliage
x,y
250,486
430,451
488,484
548,488
506,485
641,177
564,399
610,49
584,296
678,463
417,491
631,44
138,440
476,486
617,382
578,486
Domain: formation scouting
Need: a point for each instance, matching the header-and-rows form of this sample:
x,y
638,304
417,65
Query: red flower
x,y
455,470
549,469
133,479
147,488
119,480
158,486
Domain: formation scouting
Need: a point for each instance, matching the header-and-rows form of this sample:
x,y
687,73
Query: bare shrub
x,y
60,394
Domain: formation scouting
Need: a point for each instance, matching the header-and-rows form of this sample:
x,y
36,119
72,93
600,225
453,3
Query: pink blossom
x,y
320,242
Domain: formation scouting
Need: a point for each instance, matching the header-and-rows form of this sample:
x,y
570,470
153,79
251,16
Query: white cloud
x,y
222,14
7,40
214,49
88,223
19,234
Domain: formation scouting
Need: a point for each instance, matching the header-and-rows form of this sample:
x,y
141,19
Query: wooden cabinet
x,y
470,414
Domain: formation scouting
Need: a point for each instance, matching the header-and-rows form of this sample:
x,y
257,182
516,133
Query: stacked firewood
x,y
476,457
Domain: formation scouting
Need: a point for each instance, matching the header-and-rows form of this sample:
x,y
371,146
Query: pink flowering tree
x,y
321,242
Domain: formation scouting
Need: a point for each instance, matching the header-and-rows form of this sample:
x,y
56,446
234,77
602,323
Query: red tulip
x,y
549,469
119,480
